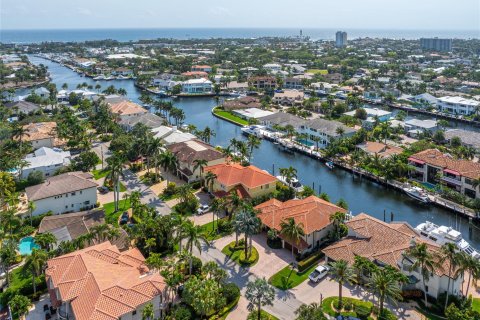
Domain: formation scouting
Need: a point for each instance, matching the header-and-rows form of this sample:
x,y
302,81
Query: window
x,y
134,312
80,191
72,205
73,193
267,186
87,202
66,207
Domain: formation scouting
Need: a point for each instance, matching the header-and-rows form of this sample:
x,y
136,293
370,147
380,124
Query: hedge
x,y
306,263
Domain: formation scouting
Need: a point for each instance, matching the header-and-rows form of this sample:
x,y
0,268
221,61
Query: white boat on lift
x,y
100,77
295,184
252,130
417,193
444,234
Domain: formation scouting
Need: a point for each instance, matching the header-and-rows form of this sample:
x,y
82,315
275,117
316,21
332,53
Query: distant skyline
x,y
339,14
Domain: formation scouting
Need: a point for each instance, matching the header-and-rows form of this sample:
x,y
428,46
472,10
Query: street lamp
x,y
321,299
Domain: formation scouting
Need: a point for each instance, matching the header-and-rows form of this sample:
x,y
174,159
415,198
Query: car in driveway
x,y
103,190
203,209
124,218
319,273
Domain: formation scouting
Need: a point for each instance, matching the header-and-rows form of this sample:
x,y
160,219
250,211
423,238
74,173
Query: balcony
x,y
455,181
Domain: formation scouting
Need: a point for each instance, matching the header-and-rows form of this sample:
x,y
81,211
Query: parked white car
x,y
203,209
319,273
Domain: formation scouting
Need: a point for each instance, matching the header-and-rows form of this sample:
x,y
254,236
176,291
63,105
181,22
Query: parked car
x,y
103,190
203,209
319,273
124,218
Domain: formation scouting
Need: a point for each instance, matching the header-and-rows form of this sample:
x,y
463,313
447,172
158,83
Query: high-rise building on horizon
x,y
436,44
341,39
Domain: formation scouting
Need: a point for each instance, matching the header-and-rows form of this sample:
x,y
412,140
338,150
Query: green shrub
x,y
225,226
182,312
231,292
348,305
362,311
196,265
251,259
309,261
170,189
387,315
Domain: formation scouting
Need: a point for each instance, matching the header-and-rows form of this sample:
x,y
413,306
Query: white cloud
x,y
220,11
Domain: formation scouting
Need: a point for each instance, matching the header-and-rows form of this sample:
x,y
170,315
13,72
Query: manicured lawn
x,y
111,216
210,233
237,253
317,71
169,197
476,304
288,278
230,116
264,315
97,174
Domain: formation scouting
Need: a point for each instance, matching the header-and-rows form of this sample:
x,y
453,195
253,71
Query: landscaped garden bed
x,y
237,254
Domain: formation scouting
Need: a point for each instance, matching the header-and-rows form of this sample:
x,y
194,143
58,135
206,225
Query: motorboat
x,y
417,193
294,183
109,78
100,77
329,164
444,234
252,130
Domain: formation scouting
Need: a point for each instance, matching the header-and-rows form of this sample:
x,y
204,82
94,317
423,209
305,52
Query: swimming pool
x,y
26,245
305,142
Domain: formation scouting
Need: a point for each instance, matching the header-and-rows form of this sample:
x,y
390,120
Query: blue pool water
x,y
430,185
26,245
305,142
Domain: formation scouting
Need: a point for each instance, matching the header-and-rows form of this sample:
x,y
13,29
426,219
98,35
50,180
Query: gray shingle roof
x,y
61,184
328,127
283,119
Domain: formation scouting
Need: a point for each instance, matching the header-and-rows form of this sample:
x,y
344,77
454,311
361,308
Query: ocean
x,y
124,35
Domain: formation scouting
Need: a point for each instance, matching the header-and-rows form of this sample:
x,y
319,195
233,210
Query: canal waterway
x,y
361,195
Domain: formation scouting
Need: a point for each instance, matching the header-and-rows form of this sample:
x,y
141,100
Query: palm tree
x,y
426,261
341,272
312,311
210,178
338,218
168,161
385,282
253,142
467,263
289,175
100,232
45,240
147,312
208,134
200,164
449,253
115,171
216,206
258,294
135,197
35,263
292,231
194,238
31,208
248,224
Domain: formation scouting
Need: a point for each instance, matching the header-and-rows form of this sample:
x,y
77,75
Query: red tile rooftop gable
x,y
233,174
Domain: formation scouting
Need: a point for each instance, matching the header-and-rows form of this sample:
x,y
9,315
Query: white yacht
x,y
417,194
295,184
252,130
443,234
100,77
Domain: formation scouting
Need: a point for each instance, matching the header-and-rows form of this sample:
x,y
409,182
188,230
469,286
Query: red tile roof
x,y
436,158
103,283
234,174
314,213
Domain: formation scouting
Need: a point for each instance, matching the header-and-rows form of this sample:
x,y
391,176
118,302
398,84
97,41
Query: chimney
x,y
413,243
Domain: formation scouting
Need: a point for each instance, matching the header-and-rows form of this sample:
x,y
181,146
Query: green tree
x,y
203,295
34,264
200,164
292,231
249,225
259,293
342,273
193,237
19,306
45,240
148,312
85,161
426,261
312,311
449,253
253,142
386,283
115,171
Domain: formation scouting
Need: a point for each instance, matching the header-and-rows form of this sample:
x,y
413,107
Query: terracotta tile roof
x,y
383,150
234,174
103,283
436,158
314,213
378,241
61,184
126,108
189,151
39,131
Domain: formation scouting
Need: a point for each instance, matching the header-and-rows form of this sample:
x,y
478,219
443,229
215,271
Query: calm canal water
x,y
361,195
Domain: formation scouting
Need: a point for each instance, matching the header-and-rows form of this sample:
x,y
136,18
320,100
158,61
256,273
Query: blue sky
x,y
352,14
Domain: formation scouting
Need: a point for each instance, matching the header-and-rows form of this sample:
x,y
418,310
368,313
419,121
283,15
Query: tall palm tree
x,y
45,240
289,175
135,197
342,273
31,207
292,231
35,263
115,171
248,224
100,232
311,311
385,282
210,178
469,264
200,164
217,205
253,142
168,161
338,218
194,238
449,253
426,261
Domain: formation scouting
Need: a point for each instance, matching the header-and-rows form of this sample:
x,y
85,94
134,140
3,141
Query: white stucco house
x,y
68,192
46,160
197,86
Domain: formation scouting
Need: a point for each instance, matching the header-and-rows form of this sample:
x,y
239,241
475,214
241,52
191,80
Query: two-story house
x,y
433,166
197,86
188,152
458,105
100,282
248,182
45,160
68,192
321,132
288,97
126,109
388,244
42,134
265,82
312,212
